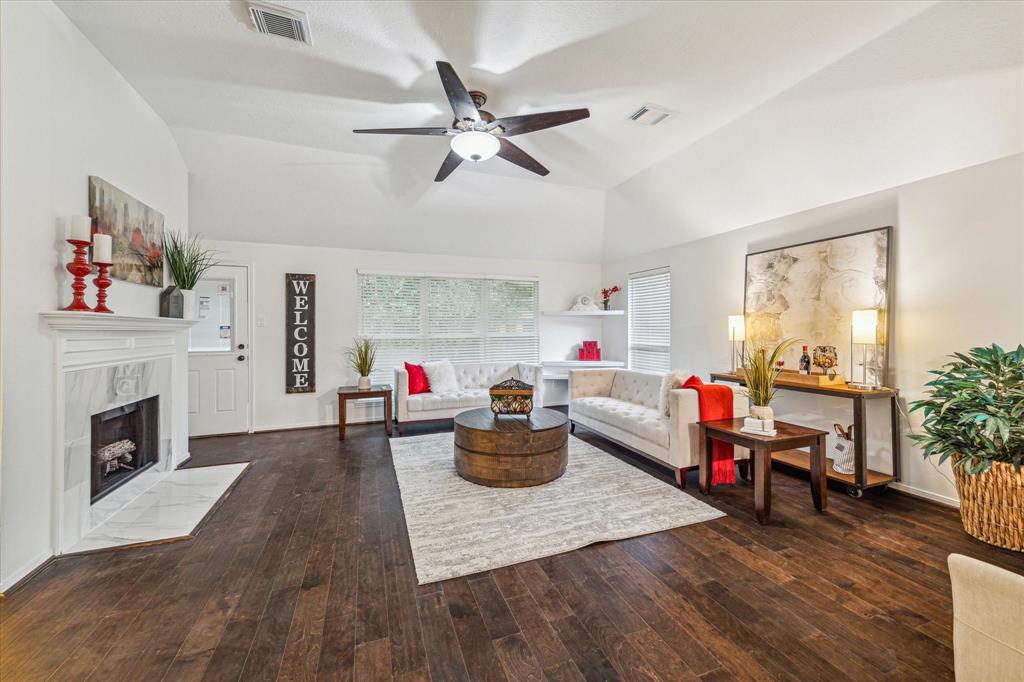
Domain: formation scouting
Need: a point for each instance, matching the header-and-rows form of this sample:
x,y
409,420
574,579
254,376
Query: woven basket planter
x,y
992,505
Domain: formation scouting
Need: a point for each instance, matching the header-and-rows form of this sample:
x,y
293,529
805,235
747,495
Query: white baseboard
x,y
926,495
17,575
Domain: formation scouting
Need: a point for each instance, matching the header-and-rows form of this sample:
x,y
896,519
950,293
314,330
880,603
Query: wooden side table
x,y
347,393
862,478
788,436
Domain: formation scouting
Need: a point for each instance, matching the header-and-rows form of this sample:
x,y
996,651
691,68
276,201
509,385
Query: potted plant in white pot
x,y
361,356
761,369
187,261
974,415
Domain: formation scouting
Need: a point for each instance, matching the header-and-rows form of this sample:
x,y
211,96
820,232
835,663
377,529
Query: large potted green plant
x,y
974,416
187,261
361,357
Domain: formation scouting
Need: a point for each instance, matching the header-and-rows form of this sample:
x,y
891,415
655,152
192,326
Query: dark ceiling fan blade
x,y
404,131
528,123
451,162
514,154
458,96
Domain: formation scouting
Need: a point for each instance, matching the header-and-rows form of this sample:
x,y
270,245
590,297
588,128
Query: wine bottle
x,y
805,362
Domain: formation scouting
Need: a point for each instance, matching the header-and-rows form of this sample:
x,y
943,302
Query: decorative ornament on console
x,y
825,358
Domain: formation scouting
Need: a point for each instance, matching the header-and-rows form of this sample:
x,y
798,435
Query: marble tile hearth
x,y
172,508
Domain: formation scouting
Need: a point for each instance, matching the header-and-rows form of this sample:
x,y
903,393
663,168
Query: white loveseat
x,y
622,406
475,378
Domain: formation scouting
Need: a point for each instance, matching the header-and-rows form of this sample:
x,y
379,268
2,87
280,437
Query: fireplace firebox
x,y
125,442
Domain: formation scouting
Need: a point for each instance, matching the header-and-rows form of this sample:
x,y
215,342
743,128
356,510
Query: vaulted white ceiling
x,y
202,66
765,91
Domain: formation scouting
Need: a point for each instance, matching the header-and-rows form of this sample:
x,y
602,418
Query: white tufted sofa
x,y
475,378
622,406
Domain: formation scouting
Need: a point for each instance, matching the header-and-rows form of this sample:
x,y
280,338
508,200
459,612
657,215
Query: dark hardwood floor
x,y
304,572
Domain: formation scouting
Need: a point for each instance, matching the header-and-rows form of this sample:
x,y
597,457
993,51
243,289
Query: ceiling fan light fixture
x,y
475,145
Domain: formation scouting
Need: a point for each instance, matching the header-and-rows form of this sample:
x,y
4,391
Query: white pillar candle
x,y
81,228
101,248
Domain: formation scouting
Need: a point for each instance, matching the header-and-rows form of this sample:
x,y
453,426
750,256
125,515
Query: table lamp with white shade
x,y
864,333
737,334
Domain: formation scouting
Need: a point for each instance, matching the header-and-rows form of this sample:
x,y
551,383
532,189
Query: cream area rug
x,y
457,528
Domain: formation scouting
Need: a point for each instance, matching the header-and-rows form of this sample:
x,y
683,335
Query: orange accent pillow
x,y
417,379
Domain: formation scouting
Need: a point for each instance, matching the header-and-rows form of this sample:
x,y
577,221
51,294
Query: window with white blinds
x,y
650,318
421,318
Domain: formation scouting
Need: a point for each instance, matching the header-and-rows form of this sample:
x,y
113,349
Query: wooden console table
x,y
862,477
761,449
347,393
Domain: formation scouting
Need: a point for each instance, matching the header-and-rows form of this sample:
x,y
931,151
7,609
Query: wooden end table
x,y
788,437
511,451
347,393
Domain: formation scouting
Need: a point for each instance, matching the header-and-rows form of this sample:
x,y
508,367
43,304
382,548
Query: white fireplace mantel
x,y
67,320
102,360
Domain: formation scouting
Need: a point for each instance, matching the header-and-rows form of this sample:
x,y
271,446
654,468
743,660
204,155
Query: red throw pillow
x,y
417,379
694,380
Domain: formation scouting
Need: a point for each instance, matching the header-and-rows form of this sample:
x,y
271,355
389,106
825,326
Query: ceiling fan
x,y
476,135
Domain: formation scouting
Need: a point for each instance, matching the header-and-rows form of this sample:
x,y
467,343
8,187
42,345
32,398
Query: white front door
x,y
218,354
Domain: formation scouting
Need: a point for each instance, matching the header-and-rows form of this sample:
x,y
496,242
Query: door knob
x,y
241,358
241,346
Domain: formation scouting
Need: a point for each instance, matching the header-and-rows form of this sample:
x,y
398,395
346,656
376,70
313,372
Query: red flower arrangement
x,y
606,294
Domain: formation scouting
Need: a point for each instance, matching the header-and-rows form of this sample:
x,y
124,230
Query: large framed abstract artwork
x,y
809,291
137,233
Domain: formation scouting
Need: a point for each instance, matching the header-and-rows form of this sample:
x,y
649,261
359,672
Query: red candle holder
x,y
101,282
79,268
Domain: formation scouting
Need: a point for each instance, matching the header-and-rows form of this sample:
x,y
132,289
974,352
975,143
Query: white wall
x,y
67,114
958,283
337,316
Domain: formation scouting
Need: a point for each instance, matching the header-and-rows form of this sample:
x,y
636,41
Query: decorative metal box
x,y
511,397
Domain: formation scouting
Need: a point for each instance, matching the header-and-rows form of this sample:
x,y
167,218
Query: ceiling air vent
x,y
650,115
281,21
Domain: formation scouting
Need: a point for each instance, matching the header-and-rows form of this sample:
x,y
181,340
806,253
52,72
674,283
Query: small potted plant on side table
x,y
974,415
761,369
361,357
188,261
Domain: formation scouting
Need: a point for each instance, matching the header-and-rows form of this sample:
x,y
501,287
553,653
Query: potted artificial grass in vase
x,y
760,370
187,261
361,357
974,415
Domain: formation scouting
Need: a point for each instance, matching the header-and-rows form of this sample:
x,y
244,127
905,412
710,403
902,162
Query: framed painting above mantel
x,y
810,290
137,233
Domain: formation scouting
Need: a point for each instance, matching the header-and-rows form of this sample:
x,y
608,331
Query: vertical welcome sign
x,y
300,330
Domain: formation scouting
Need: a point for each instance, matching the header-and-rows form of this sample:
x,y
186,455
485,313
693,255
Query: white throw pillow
x,y
442,377
669,381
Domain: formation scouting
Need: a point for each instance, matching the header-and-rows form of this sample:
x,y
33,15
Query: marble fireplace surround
x,y
105,361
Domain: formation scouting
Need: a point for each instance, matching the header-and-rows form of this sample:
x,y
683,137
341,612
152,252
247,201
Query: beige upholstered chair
x,y
988,621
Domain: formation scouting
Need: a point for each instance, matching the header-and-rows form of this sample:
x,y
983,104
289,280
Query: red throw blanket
x,y
715,402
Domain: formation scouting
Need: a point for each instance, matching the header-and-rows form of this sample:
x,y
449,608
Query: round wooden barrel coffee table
x,y
511,451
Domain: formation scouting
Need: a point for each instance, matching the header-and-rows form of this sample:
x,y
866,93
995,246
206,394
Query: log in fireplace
x,y
125,442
